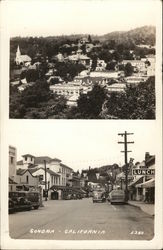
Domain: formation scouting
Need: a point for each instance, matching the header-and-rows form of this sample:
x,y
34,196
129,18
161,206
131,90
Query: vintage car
x,y
117,196
18,203
23,200
98,196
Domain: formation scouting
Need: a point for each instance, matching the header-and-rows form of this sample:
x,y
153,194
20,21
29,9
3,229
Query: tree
x,y
128,69
137,102
111,66
68,71
90,104
31,75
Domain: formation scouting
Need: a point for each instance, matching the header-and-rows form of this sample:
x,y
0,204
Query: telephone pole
x,y
125,142
45,181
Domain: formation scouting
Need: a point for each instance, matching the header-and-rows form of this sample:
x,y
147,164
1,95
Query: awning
x,y
137,181
147,184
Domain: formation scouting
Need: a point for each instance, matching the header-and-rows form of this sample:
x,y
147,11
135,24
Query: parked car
x,y
18,204
99,196
11,205
117,196
79,196
25,200
68,197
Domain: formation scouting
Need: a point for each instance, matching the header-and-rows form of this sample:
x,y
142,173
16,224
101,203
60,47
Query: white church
x,y
22,59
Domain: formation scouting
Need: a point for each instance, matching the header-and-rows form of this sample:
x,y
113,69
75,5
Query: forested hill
x,y
142,35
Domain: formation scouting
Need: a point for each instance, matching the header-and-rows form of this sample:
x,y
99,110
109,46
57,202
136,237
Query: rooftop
x,y
28,155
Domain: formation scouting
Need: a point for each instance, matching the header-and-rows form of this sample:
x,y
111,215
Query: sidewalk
x,y
147,208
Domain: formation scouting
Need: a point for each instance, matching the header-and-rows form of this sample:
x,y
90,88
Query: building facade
x,y
54,178
12,162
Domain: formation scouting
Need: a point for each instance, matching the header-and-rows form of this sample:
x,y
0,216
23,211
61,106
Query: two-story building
x,y
51,173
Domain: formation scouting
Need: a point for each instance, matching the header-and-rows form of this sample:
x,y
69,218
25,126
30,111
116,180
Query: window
x,y
41,177
27,179
12,159
31,158
140,191
25,158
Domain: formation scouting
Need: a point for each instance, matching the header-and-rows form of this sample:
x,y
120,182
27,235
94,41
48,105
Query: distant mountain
x,y
142,35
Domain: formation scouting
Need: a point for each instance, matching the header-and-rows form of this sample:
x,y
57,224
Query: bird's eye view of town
x,y
109,76
81,124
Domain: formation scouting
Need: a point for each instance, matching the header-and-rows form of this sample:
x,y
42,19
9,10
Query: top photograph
x,y
82,60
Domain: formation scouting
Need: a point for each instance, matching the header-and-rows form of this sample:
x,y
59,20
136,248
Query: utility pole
x,y
45,181
125,142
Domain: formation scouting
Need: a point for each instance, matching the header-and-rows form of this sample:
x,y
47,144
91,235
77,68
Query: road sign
x,y
143,171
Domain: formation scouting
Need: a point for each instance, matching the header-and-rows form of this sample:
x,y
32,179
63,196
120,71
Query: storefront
x,y
149,187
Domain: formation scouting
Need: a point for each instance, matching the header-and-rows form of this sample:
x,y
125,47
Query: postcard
x,y
81,109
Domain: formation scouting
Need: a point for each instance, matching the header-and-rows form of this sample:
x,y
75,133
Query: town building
x,y
135,79
80,58
142,188
116,87
12,162
107,74
147,46
101,65
138,65
22,59
71,91
12,168
57,173
26,178
151,68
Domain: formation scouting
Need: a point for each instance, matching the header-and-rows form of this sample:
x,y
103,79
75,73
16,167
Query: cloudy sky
x,y
81,144
57,17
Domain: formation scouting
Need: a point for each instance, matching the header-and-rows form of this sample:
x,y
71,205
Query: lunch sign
x,y
143,171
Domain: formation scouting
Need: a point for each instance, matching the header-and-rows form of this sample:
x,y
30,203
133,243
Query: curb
x,y
140,209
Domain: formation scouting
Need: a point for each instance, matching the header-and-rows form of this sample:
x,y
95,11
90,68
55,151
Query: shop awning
x,y
137,181
147,184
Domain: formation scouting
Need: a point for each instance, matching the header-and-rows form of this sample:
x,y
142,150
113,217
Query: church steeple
x,y
18,53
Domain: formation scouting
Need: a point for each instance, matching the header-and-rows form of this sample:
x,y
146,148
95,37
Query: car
x,y
19,204
11,205
79,196
68,197
98,196
25,199
117,196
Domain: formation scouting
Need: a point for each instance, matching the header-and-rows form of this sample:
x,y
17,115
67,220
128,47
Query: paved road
x,y
82,220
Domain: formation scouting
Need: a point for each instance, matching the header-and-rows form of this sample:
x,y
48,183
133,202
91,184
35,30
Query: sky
x,y
80,144
60,17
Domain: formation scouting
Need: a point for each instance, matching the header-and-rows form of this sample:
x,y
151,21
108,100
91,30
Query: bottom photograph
x,y
82,182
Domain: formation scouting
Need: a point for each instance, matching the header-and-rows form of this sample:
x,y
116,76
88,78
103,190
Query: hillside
x,y
142,35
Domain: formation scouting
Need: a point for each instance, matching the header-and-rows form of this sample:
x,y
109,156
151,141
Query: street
x,y
82,220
